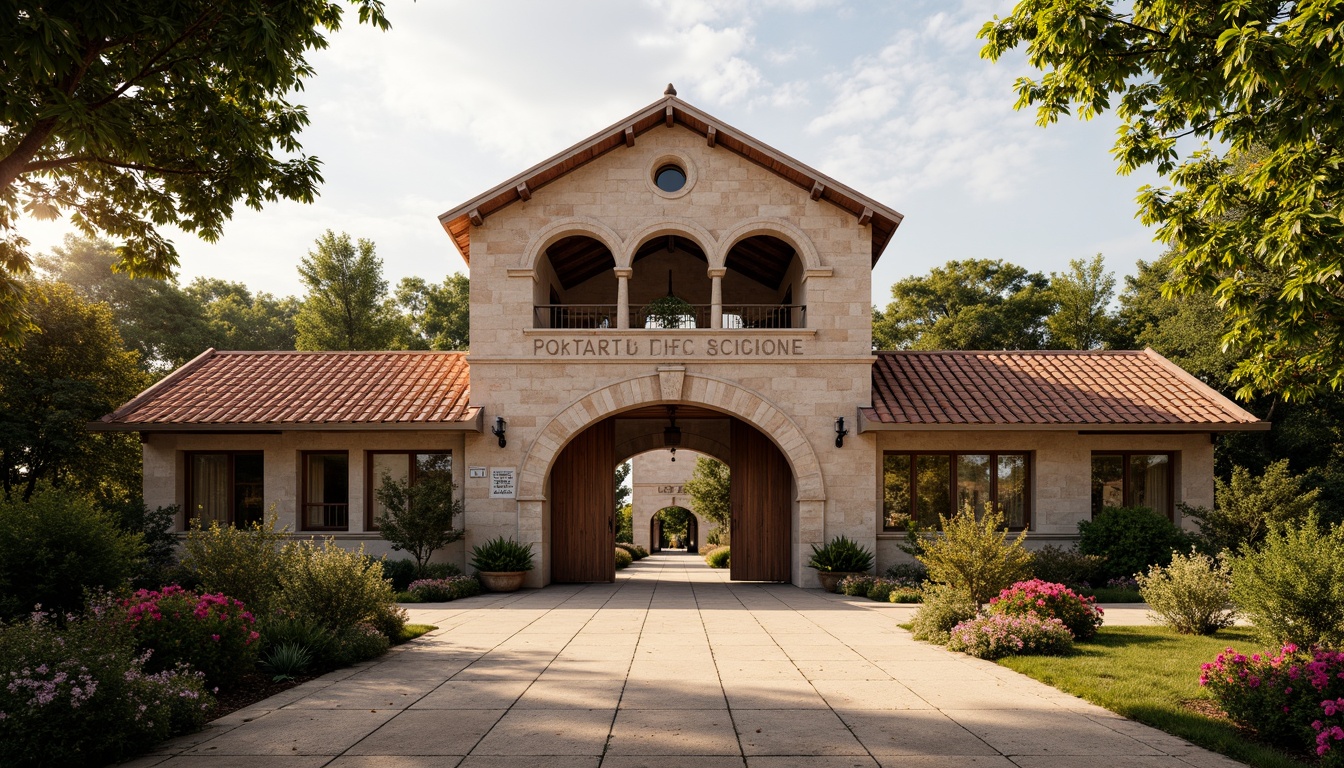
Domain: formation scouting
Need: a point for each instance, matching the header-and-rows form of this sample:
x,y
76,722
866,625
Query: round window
x,y
670,178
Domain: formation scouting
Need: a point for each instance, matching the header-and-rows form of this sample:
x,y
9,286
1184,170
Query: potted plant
x,y
840,557
502,564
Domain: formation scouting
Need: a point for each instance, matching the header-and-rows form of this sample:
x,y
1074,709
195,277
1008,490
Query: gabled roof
x,y
243,391
670,111
1100,390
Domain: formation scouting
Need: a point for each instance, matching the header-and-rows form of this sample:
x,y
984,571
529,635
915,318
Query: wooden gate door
x,y
583,507
762,507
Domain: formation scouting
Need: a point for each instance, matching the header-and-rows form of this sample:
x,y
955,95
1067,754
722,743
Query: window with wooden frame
x,y
326,491
405,466
225,487
920,486
1134,479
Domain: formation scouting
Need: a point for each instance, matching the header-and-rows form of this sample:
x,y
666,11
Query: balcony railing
x,y
735,316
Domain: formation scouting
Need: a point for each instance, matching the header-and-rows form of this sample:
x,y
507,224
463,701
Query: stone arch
x,y
698,389
775,227
684,227
690,441
577,225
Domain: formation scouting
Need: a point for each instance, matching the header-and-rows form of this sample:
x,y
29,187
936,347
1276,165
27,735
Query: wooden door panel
x,y
761,492
583,507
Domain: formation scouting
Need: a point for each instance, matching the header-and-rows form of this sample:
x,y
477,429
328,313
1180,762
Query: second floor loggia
x,y
669,284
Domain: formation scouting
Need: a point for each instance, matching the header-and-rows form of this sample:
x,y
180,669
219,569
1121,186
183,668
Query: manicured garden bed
x,y
1151,674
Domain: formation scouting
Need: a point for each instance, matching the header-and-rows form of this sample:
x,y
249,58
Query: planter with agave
x,y
840,557
502,564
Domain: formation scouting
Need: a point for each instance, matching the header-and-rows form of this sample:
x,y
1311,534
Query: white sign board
x,y
503,482
476,472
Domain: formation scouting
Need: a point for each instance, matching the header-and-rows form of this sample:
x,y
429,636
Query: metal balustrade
x,y
735,316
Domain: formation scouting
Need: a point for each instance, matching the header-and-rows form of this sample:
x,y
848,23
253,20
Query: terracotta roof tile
x,y
307,388
1046,388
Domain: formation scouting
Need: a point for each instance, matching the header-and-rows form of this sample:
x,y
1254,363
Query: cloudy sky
x,y
890,98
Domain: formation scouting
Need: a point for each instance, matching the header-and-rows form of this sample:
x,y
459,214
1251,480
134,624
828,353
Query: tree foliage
x,y
132,116
1247,505
435,315
710,492
419,516
1252,214
237,318
971,304
1082,317
56,381
346,306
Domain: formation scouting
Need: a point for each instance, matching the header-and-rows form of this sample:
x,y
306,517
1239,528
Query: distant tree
x,y
135,115
55,382
1083,295
435,315
1238,106
346,306
675,524
1246,507
625,524
711,495
622,490
971,304
237,318
153,316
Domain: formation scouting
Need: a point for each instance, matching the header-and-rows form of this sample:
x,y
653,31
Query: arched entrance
x,y
582,493
689,537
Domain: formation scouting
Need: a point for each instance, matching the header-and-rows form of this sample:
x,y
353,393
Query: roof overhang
x,y
869,423
473,421
670,111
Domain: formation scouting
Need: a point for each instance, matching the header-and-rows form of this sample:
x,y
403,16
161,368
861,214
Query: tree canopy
x,y
1253,214
135,115
436,315
710,492
347,306
1082,318
971,304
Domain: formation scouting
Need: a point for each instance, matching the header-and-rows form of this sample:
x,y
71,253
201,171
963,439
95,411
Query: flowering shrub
x,y
856,585
1047,600
1330,733
905,595
1283,696
881,589
211,633
79,695
443,590
358,643
943,609
993,637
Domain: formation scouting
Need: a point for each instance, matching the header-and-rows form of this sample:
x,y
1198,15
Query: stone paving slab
x,y
674,666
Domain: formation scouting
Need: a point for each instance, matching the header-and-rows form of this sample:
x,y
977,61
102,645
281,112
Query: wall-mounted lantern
x,y
498,430
840,432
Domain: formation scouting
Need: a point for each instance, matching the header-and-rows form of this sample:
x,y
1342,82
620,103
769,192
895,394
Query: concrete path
x,y
673,666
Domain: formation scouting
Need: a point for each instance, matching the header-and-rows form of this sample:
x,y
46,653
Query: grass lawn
x,y
1145,673
412,631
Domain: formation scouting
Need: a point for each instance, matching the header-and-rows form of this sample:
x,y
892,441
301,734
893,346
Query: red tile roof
x,y
1128,389
305,390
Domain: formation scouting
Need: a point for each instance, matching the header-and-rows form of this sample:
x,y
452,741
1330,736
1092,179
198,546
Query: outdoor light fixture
x,y
498,430
840,432
672,433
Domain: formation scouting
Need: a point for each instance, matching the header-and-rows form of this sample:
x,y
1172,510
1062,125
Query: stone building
x,y
671,280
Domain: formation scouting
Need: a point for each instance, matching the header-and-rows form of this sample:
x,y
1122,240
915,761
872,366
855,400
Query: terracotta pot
x,y
830,579
502,581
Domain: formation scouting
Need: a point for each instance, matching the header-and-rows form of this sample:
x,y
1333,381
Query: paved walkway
x,y
674,666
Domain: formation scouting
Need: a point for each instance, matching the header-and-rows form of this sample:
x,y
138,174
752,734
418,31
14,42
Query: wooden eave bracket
x,y
476,218
712,136
630,136
866,217
817,189
523,192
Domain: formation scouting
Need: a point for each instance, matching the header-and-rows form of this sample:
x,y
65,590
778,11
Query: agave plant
x,y
841,555
501,555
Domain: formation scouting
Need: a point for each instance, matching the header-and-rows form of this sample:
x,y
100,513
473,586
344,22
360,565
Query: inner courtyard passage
x,y
674,665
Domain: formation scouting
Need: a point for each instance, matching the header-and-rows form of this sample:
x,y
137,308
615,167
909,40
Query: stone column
x,y
623,297
716,296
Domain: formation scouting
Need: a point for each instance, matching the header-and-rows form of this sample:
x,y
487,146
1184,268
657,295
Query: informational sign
x,y
503,482
476,472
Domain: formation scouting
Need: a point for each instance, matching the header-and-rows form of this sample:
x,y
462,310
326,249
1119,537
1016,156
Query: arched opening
x,y
669,285
763,286
576,285
675,528
581,491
